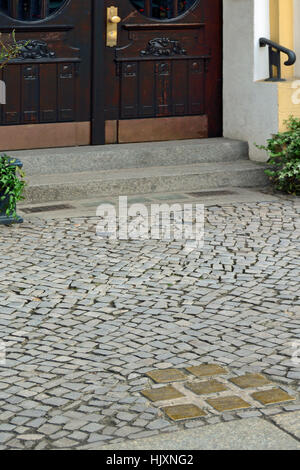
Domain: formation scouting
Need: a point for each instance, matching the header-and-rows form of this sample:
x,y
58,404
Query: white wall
x,y
250,106
261,29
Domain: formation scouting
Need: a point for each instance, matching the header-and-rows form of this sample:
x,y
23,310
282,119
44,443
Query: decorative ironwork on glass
x,y
30,10
163,9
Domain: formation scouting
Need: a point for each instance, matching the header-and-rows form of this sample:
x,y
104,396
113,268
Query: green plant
x,y
9,49
284,158
11,184
11,176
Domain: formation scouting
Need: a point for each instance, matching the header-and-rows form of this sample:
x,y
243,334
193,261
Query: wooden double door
x,y
108,71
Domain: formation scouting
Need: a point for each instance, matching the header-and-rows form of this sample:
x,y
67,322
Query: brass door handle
x,y
115,19
112,26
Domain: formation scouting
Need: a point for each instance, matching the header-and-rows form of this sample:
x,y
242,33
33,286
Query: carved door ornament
x,y
163,47
34,49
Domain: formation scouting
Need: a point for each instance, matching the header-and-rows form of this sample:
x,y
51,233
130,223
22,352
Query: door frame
x,y
98,64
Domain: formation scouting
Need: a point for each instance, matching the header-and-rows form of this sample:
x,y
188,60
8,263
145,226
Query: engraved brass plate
x,y
250,381
206,370
275,395
163,393
228,403
166,375
207,387
188,411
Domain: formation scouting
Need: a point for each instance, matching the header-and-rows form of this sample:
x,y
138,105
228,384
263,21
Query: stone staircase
x,y
127,169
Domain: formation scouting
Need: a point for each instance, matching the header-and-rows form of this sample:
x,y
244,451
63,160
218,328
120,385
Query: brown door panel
x,y
156,129
51,82
165,69
162,69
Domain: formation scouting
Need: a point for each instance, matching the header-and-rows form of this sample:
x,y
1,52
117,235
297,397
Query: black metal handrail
x,y
275,58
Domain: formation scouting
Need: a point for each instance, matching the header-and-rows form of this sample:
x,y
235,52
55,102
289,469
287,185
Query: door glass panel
x,y
30,10
163,9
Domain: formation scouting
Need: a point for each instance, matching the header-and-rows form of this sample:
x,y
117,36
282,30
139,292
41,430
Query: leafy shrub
x,y
284,158
11,184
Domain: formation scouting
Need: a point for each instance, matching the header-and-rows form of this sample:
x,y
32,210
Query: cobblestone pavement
x,y
83,320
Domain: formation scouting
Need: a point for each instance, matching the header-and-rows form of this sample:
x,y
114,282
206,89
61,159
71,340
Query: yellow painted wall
x,y
282,28
282,31
288,97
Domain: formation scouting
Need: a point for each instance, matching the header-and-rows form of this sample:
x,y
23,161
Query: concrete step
x,y
145,155
189,177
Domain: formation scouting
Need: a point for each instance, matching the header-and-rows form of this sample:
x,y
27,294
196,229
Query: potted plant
x,y
11,176
284,158
11,188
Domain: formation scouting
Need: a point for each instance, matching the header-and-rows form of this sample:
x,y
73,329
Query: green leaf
x,y
12,184
284,158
